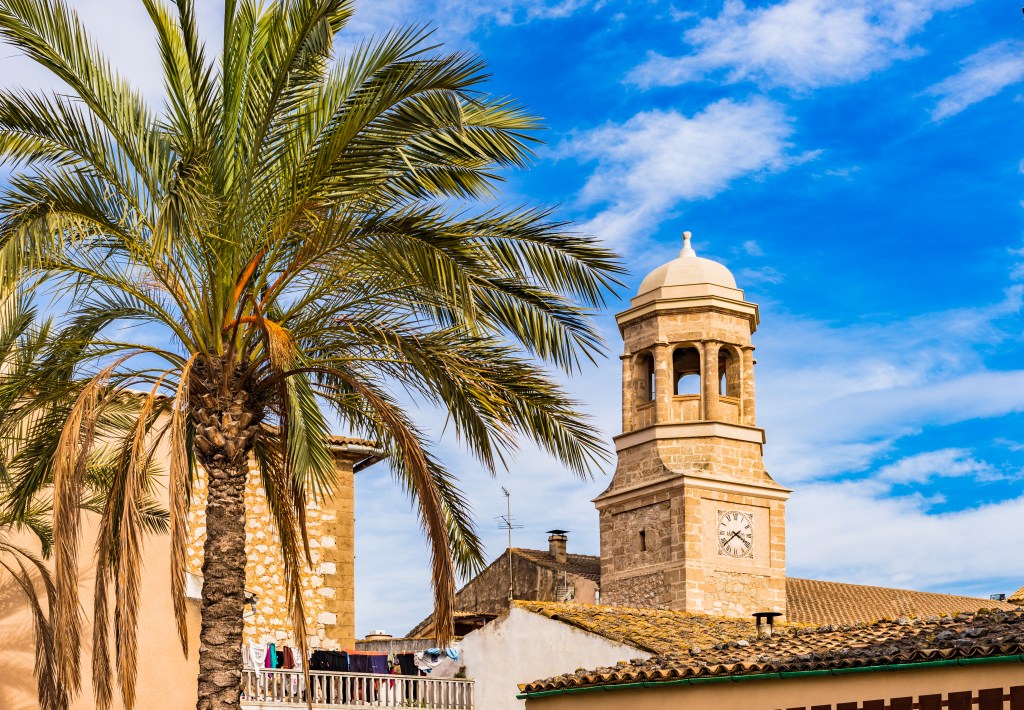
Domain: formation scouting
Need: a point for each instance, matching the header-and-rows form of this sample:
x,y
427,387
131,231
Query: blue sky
x,y
858,166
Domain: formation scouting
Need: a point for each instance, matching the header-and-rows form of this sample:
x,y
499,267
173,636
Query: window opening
x,y
729,372
643,541
647,380
686,371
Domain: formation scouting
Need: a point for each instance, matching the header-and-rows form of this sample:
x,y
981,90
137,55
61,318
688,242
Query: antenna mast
x,y
509,524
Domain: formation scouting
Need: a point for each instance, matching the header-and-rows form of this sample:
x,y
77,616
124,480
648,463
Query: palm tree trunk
x,y
226,427
220,650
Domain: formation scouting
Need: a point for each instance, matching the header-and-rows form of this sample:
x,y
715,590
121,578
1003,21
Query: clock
x,y
735,534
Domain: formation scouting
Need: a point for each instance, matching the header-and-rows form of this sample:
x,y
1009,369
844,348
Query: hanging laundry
x,y
359,663
379,663
257,656
271,656
447,668
407,664
427,660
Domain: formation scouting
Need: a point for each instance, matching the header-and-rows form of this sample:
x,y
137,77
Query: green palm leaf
x,y
298,235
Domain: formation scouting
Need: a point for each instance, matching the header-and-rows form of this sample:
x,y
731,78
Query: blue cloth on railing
x,y
359,663
379,663
452,653
329,661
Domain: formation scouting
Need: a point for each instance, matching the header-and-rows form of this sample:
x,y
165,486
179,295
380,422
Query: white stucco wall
x,y
523,646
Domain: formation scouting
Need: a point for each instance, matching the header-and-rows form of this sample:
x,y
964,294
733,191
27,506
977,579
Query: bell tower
x,y
691,520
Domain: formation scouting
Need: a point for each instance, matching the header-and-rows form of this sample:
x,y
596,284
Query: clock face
x,y
735,534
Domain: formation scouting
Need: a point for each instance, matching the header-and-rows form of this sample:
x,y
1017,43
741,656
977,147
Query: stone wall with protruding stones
x,y
329,611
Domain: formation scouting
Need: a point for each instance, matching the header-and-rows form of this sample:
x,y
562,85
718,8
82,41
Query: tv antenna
x,y
507,522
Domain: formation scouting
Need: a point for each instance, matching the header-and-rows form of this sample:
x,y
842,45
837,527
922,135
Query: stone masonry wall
x,y
329,608
645,591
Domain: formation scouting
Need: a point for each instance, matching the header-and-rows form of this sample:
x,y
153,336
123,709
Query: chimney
x,y
764,621
556,544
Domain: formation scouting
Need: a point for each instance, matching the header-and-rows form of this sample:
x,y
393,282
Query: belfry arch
x,y
686,370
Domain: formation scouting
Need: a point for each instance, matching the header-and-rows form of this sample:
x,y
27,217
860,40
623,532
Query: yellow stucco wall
x,y
794,692
167,679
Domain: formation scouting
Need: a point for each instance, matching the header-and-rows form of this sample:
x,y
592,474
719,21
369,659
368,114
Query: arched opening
x,y
729,373
645,374
686,370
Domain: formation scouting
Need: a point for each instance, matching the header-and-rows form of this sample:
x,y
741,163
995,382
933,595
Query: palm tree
x,y
22,339
291,231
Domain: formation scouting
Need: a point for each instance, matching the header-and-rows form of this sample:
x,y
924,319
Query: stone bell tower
x,y
691,520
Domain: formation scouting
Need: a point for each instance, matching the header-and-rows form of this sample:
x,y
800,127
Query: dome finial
x,y
687,250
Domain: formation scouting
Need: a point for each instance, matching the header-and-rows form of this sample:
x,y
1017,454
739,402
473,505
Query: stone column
x,y
747,387
663,383
628,392
337,557
709,379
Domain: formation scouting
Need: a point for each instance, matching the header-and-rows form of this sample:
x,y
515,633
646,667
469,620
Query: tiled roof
x,y
814,601
339,440
651,630
884,643
1017,597
588,566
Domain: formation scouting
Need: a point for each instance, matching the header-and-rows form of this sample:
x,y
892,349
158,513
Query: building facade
x,y
691,520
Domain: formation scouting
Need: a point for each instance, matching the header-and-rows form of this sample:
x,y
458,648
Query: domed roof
x,y
688,269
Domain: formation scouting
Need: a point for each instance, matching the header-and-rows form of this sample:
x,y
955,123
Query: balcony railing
x,y
272,688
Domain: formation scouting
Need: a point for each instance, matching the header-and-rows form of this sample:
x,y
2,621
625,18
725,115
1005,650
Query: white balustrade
x,y
275,687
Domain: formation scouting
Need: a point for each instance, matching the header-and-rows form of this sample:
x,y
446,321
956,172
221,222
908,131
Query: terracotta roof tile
x,y
818,602
653,630
990,633
339,440
814,601
588,566
1017,597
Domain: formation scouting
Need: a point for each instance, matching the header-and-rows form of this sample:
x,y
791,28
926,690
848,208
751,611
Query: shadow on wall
x,y
18,637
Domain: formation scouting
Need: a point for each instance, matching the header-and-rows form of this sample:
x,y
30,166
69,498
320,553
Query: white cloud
x,y
799,44
455,20
124,33
835,397
762,275
982,75
752,248
657,159
944,463
850,532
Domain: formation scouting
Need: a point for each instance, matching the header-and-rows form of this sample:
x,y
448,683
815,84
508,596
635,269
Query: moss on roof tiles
x,y
655,630
985,634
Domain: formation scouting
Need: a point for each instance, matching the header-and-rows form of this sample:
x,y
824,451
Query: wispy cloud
x,y
944,463
868,385
456,20
841,529
982,75
650,163
799,44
